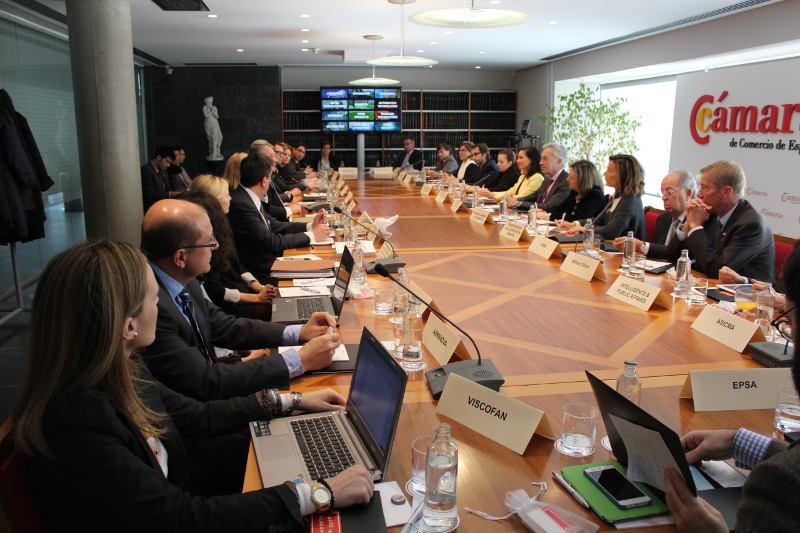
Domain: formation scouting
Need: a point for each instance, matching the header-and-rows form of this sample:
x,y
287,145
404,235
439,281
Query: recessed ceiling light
x,y
430,66
420,51
305,29
494,2
448,32
305,16
239,50
304,49
470,17
304,41
434,42
478,67
213,16
553,22
482,52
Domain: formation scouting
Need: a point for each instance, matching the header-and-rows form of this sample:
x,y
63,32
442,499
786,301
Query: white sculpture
x,y
211,125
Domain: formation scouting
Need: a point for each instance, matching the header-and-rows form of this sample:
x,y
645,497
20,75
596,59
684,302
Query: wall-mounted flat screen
x,y
361,109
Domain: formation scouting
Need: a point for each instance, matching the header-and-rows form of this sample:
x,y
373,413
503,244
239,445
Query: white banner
x,y
749,114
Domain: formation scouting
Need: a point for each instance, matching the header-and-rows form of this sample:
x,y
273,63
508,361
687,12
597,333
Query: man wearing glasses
x,y
677,188
411,156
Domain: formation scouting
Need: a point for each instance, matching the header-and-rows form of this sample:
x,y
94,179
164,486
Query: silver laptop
x,y
299,309
320,445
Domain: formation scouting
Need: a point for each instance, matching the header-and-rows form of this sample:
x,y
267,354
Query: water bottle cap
x,y
631,362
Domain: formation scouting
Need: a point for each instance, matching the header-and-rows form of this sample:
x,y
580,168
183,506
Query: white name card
x,y
426,189
407,178
373,234
479,215
455,206
351,205
633,292
506,421
349,196
441,197
442,340
735,390
341,185
733,331
544,247
385,251
365,218
425,297
583,267
513,230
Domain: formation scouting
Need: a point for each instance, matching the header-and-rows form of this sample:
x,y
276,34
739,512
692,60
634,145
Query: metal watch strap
x,y
325,484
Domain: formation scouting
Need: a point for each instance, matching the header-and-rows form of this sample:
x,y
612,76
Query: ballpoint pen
x,y
572,492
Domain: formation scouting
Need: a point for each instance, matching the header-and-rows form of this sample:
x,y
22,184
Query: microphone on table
x,y
481,371
392,264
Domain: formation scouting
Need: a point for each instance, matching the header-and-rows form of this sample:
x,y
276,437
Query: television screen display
x,y
360,109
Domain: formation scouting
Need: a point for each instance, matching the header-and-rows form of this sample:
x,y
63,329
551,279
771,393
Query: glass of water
x,y
628,254
698,290
636,267
419,456
411,338
787,413
580,430
384,300
359,272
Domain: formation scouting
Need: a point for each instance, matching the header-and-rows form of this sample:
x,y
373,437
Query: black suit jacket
x,y
558,198
275,204
745,244
504,180
415,160
486,174
103,475
175,359
155,187
628,216
658,249
258,244
292,176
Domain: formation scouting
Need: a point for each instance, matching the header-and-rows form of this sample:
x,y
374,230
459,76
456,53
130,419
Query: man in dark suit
x,y
180,178
156,182
178,239
260,237
411,157
487,169
275,197
554,196
739,239
677,190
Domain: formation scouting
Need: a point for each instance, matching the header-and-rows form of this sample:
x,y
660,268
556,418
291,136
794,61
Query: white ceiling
x,y
269,31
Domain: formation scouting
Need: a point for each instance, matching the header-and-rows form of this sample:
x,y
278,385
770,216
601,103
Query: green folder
x,y
601,504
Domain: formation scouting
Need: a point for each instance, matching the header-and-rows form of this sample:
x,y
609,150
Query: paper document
x,y
340,354
314,282
393,514
366,246
648,455
301,257
314,242
723,473
649,264
653,521
291,292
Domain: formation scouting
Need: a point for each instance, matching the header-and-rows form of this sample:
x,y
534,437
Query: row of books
x,y
301,100
445,121
493,121
302,121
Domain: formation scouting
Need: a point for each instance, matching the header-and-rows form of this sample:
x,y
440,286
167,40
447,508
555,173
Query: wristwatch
x,y
321,496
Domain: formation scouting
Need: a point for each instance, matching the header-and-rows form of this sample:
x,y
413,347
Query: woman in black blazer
x,y
586,199
104,441
624,212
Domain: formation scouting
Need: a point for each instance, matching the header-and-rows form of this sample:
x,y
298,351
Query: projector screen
x,y
360,109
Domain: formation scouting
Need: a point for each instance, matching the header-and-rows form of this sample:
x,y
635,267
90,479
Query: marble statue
x,y
211,125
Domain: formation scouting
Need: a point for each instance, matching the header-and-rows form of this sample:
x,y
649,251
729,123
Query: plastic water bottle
x,y
588,235
533,214
476,198
411,352
441,473
629,384
765,305
502,214
628,252
359,272
683,274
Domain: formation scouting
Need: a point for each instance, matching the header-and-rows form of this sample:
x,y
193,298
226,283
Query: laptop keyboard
x,y
324,450
308,306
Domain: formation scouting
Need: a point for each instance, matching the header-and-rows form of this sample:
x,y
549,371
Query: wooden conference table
x,y
541,328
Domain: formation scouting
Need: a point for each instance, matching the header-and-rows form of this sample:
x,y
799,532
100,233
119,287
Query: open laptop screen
x,y
376,395
342,281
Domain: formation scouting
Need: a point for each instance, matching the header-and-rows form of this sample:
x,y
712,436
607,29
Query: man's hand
x,y
319,324
619,244
729,275
691,513
351,487
318,352
296,209
319,401
697,212
296,193
710,444
319,218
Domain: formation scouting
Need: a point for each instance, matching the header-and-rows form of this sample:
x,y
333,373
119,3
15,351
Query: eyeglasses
x,y
213,245
783,326
668,192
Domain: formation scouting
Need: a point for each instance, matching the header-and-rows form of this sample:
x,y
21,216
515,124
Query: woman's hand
x,y
542,215
267,293
322,400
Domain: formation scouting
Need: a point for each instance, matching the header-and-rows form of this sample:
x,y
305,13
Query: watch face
x,y
322,496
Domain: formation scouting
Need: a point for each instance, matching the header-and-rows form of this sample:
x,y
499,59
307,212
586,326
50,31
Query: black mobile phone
x,y
720,296
617,487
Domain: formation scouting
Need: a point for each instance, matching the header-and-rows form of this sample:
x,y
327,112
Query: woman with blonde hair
x,y
104,441
231,172
227,284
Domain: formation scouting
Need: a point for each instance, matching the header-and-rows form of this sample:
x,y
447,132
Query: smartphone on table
x,y
617,487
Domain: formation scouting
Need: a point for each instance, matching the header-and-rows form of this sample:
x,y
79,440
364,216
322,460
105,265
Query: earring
x,y
135,333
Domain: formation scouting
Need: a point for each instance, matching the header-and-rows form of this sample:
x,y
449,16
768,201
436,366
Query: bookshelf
x,y
430,117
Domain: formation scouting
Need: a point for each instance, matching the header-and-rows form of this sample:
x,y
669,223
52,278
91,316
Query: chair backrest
x,y
19,510
783,248
651,214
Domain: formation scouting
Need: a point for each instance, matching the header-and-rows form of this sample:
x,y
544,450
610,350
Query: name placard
x,y
407,178
513,230
384,252
583,267
373,234
348,196
426,189
351,205
441,197
479,215
396,173
341,185
544,247
365,218
506,421
442,340
731,330
740,389
455,206
425,297
633,292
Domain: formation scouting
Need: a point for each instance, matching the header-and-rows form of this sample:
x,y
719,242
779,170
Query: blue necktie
x,y
188,309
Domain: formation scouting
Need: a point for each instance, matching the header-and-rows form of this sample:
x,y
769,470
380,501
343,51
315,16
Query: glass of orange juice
x,y
745,301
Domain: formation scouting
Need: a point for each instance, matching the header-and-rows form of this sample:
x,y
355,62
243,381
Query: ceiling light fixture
x,y
470,17
374,80
482,52
305,16
478,67
434,42
495,2
239,50
304,41
402,60
213,16
304,49
305,30
448,32
420,51
553,22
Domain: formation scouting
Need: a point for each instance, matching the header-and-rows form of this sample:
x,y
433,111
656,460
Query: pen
x,y
562,217
572,492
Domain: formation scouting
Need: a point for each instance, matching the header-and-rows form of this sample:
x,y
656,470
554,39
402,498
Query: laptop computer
x,y
320,445
298,310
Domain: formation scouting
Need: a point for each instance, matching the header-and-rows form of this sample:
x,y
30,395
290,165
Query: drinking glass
x,y
580,430
629,251
419,456
636,266
764,312
745,301
787,412
384,304
359,272
698,289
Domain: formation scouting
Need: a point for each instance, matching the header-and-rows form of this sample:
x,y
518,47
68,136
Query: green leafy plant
x,y
589,127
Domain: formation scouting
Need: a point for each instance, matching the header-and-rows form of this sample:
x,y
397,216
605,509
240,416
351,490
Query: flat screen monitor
x,y
361,109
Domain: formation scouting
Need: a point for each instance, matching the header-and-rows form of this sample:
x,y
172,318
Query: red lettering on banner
x,y
697,119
